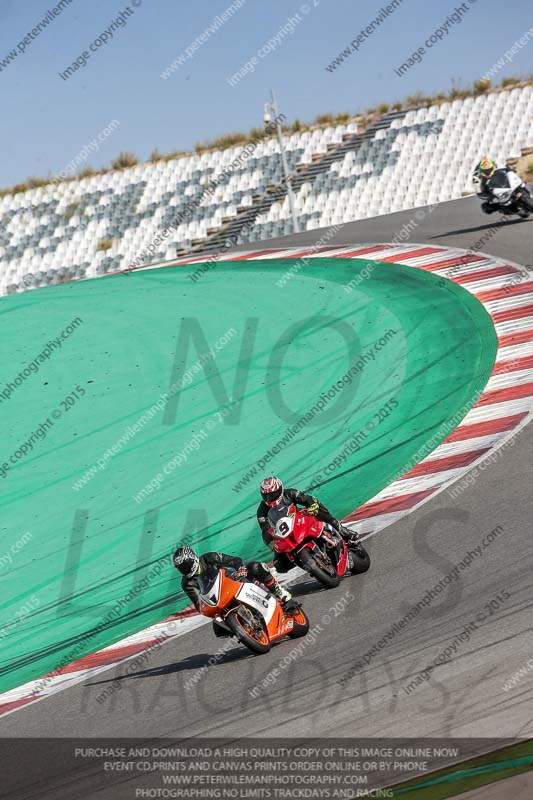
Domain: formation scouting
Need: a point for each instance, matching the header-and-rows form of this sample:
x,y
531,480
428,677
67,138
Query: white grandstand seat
x,y
51,229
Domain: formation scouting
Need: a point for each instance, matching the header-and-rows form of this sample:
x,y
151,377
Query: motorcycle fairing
x,y
254,596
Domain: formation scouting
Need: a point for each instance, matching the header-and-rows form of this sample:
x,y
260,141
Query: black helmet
x,y
186,561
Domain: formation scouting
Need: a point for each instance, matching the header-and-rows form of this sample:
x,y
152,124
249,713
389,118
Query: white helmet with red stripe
x,y
272,491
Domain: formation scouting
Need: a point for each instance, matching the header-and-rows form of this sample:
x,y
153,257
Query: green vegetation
x,y
174,154
87,172
456,93
510,81
124,160
34,183
222,142
469,775
324,119
19,187
482,85
417,99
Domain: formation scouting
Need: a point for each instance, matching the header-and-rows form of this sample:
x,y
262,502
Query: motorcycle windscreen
x,y
210,586
280,512
499,180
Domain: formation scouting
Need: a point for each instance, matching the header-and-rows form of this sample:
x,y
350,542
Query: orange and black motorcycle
x,y
248,611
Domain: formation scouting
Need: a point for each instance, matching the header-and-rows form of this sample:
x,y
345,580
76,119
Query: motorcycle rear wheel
x,y
246,636
308,562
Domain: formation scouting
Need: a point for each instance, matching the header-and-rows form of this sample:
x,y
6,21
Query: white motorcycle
x,y
508,194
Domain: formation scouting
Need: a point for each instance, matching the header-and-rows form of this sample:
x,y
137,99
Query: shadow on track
x,y
501,223
193,662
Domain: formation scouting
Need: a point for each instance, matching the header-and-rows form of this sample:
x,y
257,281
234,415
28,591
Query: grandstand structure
x,y
104,223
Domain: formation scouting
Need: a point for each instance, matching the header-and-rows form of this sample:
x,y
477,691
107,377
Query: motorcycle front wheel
x,y
360,559
251,634
527,200
328,578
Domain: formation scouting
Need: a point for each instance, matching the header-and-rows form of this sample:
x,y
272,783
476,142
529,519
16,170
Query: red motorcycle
x,y
315,546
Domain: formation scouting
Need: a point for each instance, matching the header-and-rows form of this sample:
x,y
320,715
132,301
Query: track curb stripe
x,y
508,314
509,339
498,425
484,274
427,467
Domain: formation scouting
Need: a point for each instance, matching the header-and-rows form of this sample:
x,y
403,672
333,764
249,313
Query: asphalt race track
x,y
320,693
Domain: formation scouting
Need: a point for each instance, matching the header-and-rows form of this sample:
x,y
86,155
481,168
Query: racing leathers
x,y
255,570
485,189
311,503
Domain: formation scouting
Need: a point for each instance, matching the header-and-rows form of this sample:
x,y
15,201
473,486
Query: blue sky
x,y
48,120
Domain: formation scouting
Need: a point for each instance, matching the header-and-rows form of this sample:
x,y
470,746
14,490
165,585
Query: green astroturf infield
x,y
143,425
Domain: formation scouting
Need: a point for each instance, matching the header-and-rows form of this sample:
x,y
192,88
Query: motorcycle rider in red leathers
x,y
274,494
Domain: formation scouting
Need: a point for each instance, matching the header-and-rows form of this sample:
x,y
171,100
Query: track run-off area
x,y
459,518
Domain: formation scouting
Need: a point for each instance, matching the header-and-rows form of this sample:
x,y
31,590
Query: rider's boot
x,y
350,537
277,589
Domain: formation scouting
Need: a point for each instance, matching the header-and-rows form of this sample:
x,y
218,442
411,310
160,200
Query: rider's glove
x,y
314,507
272,544
242,572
